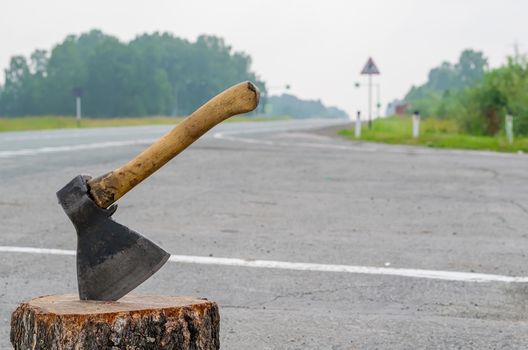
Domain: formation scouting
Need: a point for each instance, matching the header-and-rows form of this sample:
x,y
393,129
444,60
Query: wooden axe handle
x,y
108,188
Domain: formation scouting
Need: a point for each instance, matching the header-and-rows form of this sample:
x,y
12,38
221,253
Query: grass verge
x,y
57,122
437,133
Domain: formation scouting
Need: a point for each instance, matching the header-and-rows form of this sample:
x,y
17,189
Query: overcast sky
x,y
319,47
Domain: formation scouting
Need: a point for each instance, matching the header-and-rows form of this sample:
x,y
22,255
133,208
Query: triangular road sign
x,y
370,68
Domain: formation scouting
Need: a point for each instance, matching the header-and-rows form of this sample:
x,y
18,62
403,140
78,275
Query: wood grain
x,y
134,322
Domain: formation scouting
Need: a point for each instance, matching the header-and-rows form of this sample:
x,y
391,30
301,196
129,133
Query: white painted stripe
x,y
285,265
30,250
82,133
290,126
71,148
86,146
40,135
416,273
364,147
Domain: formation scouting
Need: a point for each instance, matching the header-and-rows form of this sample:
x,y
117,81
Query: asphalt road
x,y
412,219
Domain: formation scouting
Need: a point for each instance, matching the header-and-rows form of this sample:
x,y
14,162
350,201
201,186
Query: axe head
x,y
112,259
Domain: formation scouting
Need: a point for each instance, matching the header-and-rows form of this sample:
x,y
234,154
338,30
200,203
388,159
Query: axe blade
x,y
112,259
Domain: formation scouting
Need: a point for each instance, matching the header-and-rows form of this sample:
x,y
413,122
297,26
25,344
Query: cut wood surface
x,y
133,322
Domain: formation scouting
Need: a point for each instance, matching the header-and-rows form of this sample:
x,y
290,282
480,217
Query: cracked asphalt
x,y
287,191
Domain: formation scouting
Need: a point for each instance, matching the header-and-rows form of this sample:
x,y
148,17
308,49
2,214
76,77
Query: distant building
x,y
397,107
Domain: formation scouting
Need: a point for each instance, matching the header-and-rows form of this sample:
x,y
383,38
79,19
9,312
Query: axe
x,y
112,259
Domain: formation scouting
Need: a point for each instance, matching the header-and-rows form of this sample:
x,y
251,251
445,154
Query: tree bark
x,y
60,322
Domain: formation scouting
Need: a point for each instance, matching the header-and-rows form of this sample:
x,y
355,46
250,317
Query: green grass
x,y
436,133
58,122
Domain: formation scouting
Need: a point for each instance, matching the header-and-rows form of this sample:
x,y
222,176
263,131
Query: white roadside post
x,y
77,92
357,130
78,109
509,127
416,124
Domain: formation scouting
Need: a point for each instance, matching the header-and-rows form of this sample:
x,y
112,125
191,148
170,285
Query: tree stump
x,y
134,322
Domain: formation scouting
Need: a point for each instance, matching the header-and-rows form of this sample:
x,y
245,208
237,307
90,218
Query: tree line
x,y
290,105
154,74
476,96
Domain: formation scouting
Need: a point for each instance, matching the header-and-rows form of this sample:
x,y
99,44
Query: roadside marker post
x,y
77,92
357,130
78,109
509,128
416,124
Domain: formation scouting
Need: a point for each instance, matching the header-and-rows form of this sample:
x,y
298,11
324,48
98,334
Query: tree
x,y
503,90
151,75
470,68
292,106
16,90
447,79
476,96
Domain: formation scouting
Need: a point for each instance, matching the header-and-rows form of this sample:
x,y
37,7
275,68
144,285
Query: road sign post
x,y
370,69
378,98
370,103
378,103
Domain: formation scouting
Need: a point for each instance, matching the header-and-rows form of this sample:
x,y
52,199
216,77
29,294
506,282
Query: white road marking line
x,y
386,148
71,148
76,133
280,128
96,145
40,137
296,266
229,136
30,250
223,136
